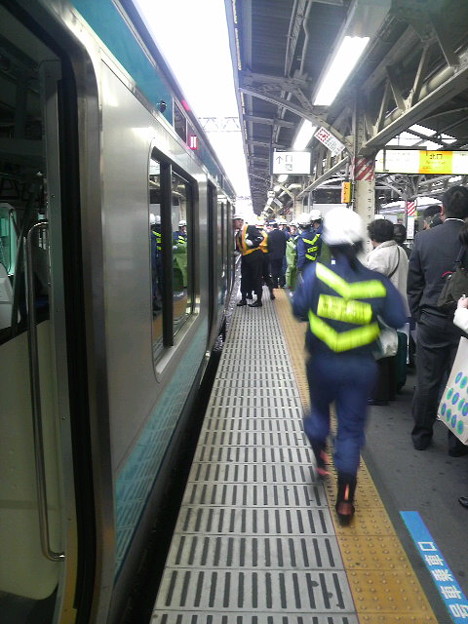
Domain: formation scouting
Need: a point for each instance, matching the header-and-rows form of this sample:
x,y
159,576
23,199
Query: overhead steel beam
x,y
443,86
268,121
310,114
323,178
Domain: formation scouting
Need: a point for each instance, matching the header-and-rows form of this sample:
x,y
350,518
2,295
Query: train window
x,y
156,252
180,123
171,207
181,209
24,256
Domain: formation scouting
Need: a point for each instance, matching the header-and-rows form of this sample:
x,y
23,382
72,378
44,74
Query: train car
x,y
107,317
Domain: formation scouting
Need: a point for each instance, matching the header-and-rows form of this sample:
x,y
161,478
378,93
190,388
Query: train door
x,y
38,536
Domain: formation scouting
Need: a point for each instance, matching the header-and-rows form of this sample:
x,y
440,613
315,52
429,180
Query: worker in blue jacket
x,y
341,302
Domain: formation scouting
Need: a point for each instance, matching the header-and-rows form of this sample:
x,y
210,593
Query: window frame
x,y
168,167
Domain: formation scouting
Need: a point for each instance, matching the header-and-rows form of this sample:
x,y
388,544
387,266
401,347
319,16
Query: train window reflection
x,y
181,209
170,215
156,253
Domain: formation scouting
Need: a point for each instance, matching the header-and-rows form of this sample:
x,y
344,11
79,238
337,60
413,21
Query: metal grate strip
x,y
254,541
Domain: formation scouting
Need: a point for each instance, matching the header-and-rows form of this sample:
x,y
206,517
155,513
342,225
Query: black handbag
x,y
455,285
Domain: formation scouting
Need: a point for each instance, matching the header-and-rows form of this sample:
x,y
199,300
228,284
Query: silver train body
x,y
102,346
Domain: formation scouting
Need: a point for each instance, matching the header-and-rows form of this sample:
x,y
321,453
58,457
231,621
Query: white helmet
x,y
342,226
304,219
182,223
315,215
282,222
237,216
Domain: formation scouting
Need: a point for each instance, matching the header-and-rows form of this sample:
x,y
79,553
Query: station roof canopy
x,y
409,87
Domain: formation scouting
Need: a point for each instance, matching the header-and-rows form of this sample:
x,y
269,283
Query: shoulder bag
x,y
455,285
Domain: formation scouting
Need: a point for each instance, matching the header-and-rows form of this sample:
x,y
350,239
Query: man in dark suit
x,y
276,249
434,253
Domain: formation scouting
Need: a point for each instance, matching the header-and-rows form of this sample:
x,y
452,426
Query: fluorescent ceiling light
x,y
422,130
340,68
305,133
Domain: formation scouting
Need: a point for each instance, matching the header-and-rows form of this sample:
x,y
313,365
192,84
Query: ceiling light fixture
x,y
364,19
303,136
341,66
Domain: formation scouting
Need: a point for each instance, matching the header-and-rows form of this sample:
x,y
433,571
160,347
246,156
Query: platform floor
x,y
256,540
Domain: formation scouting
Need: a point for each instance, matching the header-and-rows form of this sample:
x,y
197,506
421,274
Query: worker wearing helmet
x,y
341,303
291,256
179,247
248,240
309,242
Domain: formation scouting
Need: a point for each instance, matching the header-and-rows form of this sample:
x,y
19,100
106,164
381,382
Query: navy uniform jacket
x,y
434,253
302,246
390,307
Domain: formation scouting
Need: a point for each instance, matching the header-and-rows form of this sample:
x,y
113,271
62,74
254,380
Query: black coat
x,y
434,253
276,244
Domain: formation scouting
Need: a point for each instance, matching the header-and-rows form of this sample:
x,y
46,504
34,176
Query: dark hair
x,y
350,252
431,211
380,230
399,233
455,201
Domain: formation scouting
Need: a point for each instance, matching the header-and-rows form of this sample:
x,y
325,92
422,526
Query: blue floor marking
x,y
448,588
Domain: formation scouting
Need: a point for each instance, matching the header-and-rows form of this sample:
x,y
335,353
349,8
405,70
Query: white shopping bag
x,y
453,408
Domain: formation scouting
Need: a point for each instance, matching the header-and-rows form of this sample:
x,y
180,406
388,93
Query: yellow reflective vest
x,y
241,242
311,247
345,306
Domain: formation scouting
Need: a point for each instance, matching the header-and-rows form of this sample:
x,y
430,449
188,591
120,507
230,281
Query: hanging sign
x,y
420,161
297,163
329,140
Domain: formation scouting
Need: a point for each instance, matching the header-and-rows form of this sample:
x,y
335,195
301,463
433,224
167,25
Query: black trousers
x,y
436,346
251,274
276,266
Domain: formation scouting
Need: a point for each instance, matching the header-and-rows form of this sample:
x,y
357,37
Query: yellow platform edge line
x,y
382,581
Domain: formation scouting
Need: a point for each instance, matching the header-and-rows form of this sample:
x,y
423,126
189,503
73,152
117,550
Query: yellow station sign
x,y
420,161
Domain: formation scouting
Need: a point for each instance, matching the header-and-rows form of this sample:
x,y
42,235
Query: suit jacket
x,y
276,243
434,253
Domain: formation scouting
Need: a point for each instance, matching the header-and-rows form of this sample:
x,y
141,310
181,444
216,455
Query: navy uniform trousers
x,y
346,379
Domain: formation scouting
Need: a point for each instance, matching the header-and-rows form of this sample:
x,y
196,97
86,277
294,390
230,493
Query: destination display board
x,y
420,161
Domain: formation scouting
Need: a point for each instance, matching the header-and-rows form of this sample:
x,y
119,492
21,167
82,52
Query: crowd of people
x,y
351,300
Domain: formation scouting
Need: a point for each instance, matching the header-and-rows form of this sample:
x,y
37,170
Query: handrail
x,y
36,401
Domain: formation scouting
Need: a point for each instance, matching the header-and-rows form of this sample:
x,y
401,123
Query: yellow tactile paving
x,y
383,583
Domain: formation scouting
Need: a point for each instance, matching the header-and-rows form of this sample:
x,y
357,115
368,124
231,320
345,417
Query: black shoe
x,y
345,498
463,500
458,452
421,444
257,304
345,512
242,302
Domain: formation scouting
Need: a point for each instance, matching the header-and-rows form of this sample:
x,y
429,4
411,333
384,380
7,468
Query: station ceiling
x,y
413,72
